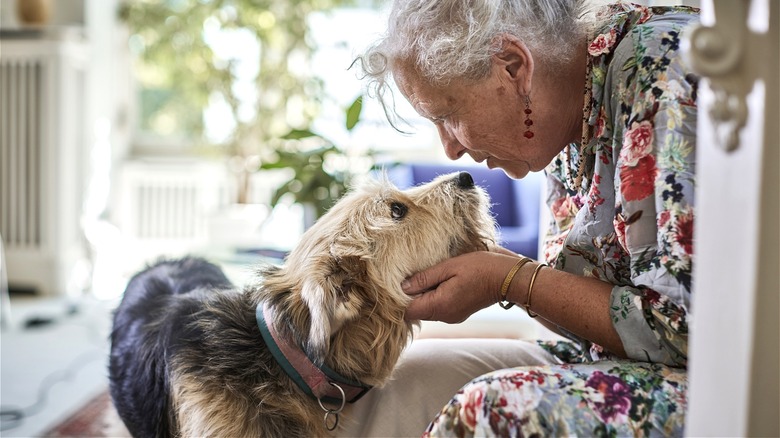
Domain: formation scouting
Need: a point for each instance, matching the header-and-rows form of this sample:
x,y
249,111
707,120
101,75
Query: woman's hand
x,y
456,288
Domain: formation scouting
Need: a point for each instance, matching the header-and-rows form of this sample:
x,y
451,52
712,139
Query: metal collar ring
x,y
334,412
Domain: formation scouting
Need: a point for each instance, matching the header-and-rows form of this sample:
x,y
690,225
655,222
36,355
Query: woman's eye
x,y
398,210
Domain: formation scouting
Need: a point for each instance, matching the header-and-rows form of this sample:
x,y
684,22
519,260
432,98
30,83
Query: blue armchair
x,y
515,206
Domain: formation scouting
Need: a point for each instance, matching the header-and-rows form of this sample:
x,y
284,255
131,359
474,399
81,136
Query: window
x,y
230,79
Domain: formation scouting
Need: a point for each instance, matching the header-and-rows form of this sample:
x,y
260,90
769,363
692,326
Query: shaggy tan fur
x,y
338,294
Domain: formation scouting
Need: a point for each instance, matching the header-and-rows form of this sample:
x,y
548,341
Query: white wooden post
x,y
734,366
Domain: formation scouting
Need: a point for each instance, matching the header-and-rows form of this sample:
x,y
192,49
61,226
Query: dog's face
x,y
351,263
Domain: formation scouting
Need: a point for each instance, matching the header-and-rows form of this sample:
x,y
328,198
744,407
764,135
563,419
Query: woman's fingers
x,y
427,279
455,288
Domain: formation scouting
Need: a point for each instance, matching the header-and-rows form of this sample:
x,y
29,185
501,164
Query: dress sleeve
x,y
654,197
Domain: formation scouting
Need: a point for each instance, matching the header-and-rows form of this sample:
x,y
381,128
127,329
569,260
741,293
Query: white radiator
x,y
21,86
167,208
42,160
170,202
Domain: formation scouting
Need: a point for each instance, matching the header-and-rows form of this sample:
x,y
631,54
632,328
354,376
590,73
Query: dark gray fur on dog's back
x,y
175,313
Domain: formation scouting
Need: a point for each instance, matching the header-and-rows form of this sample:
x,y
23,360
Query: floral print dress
x,y
629,223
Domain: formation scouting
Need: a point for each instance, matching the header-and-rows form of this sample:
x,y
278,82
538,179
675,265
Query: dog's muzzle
x,y
464,181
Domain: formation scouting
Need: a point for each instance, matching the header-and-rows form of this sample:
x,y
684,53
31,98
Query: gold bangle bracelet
x,y
527,304
508,281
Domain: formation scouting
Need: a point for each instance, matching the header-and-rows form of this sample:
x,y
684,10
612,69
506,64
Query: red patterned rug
x,y
97,418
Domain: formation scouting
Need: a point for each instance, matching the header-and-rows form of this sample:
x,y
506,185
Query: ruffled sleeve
x,y
654,145
631,222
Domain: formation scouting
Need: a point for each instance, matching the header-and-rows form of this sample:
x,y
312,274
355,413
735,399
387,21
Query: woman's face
x,y
486,120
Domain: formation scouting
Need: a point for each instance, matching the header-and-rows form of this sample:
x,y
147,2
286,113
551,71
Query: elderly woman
x,y
600,100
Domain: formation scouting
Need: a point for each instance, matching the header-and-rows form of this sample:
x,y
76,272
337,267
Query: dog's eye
x,y
398,210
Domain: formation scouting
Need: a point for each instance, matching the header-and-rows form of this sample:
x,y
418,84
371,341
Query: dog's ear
x,y
320,306
333,297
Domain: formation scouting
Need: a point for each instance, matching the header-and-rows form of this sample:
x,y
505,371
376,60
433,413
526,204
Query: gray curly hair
x,y
455,39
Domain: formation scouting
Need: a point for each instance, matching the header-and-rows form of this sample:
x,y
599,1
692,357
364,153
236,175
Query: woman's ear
x,y
515,62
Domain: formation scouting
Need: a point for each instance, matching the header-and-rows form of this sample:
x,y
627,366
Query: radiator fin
x,y
21,121
169,211
171,201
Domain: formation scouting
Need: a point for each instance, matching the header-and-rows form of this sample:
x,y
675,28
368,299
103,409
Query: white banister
x,y
734,366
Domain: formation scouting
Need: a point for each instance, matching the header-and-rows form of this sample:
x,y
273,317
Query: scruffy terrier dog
x,y
193,356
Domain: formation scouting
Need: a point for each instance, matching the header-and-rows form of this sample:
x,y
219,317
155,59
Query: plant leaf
x,y
297,134
353,113
273,165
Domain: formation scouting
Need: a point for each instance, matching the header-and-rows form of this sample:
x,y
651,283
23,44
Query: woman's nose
x,y
452,147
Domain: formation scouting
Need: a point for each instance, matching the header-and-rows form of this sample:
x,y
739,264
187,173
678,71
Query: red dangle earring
x,y
528,122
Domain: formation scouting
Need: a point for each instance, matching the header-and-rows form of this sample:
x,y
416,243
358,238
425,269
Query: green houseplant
x,y
314,183
182,69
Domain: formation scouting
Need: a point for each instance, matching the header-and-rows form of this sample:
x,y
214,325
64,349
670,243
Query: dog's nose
x,y
465,181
